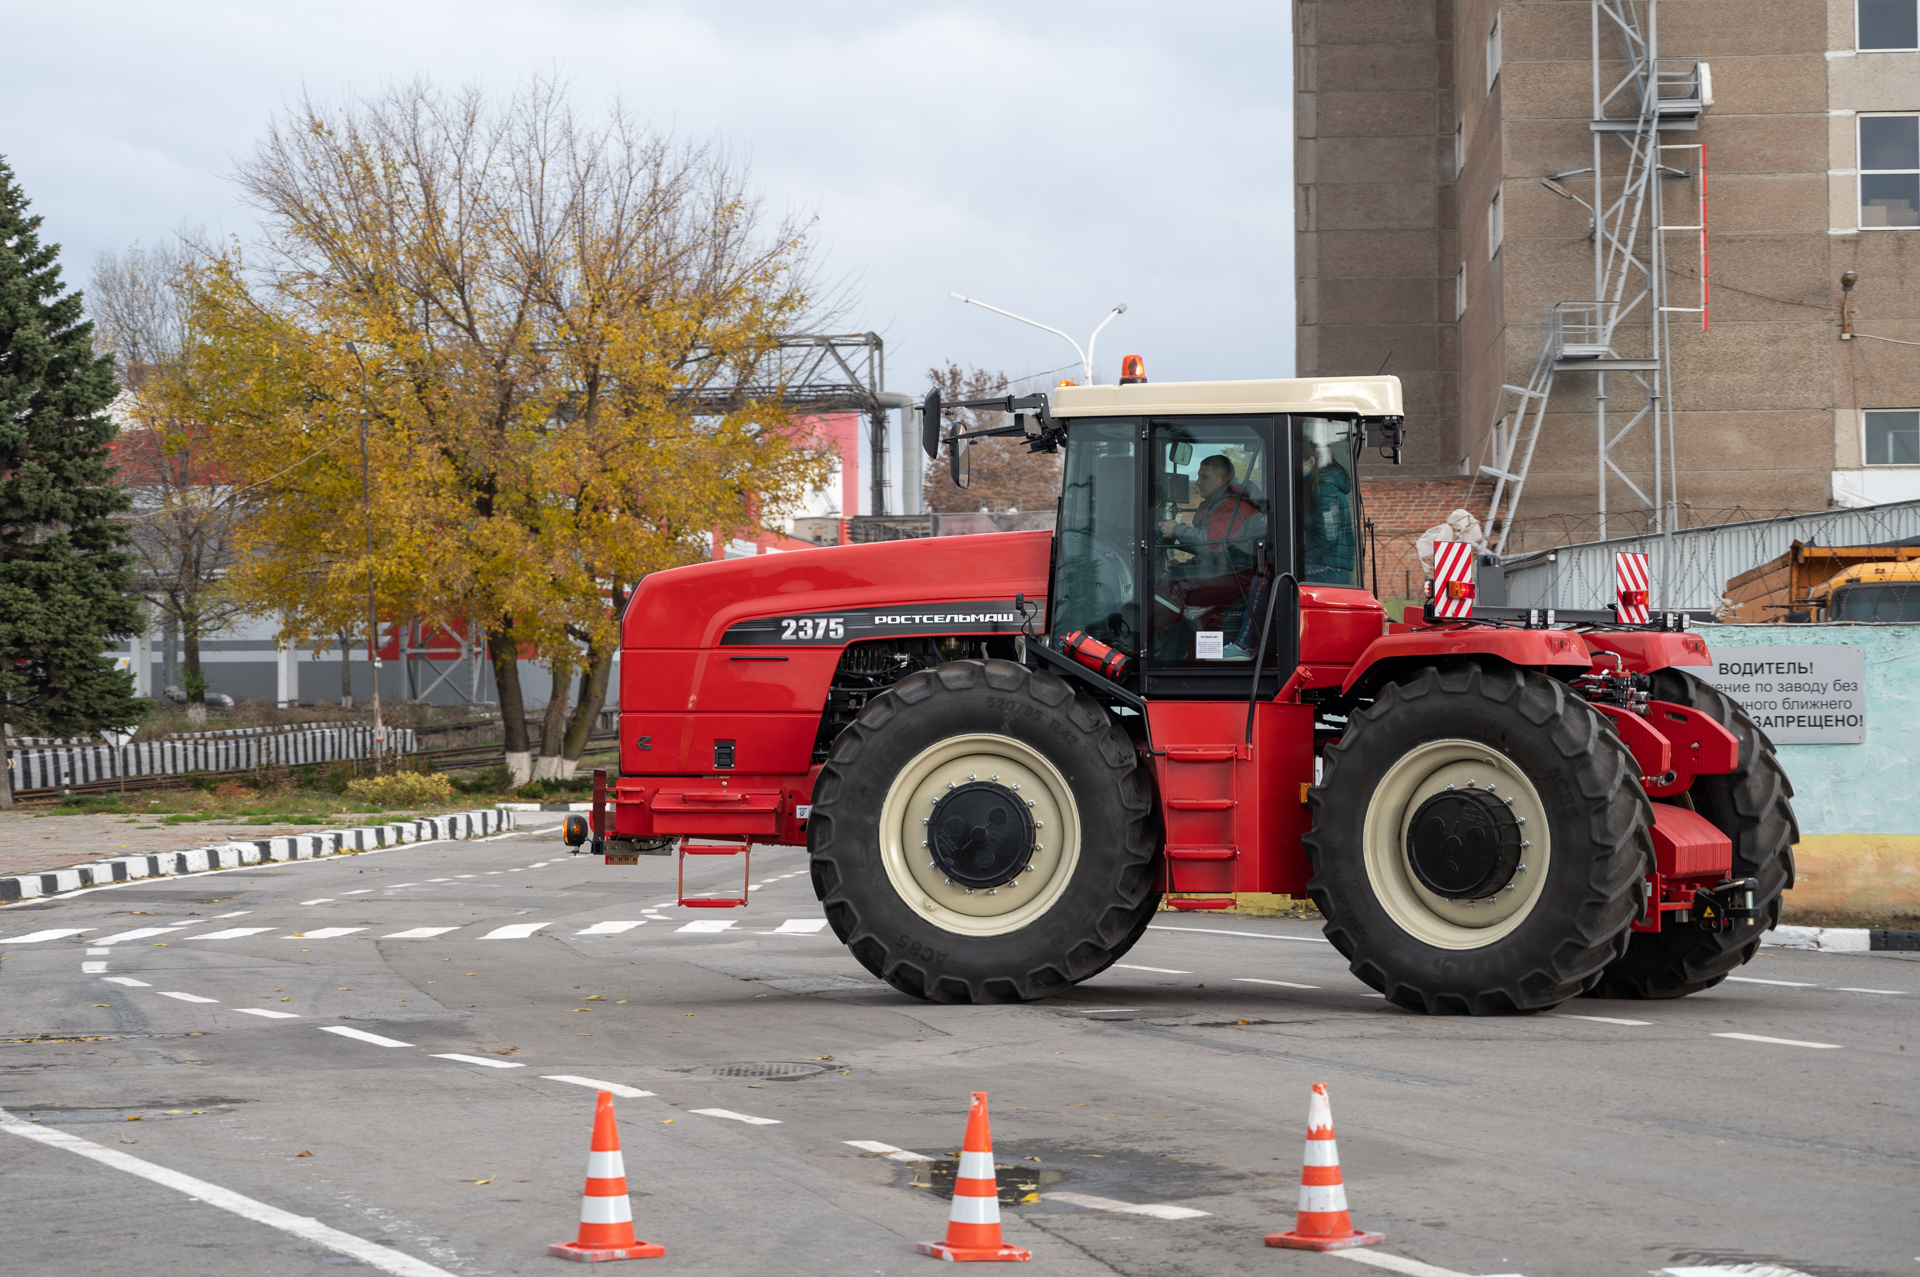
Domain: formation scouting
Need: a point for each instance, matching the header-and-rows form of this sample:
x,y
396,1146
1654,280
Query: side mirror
x,y
1182,454
930,423
957,458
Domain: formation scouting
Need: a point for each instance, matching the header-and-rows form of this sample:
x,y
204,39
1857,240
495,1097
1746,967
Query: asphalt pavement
x,y
389,1060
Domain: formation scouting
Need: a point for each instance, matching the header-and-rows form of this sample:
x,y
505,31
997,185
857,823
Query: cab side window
x,y
1210,522
1326,493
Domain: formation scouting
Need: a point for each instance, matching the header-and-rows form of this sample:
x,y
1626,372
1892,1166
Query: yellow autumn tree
x,y
558,340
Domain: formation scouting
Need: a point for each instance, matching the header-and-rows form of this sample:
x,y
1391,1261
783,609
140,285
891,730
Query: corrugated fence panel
x,y
48,768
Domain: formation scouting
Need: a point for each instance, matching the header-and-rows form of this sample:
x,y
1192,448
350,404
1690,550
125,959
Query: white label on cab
x,y
1209,645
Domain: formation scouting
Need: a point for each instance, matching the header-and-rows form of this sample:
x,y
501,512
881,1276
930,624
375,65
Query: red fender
x,y
1538,649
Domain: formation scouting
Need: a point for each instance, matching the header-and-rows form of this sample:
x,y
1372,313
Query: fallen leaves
x,y
305,1152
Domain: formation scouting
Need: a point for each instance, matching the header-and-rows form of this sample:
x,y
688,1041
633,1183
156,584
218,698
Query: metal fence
x,y
80,764
1690,569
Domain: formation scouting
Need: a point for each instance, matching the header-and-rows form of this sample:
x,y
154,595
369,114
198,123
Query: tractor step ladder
x,y
742,849
1200,793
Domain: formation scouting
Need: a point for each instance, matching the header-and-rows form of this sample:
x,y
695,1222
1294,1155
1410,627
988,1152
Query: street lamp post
x,y
373,615
1086,356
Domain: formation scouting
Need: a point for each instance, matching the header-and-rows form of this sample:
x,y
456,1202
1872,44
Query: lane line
x,y
360,1035
93,968
271,1015
1257,935
1599,1019
707,926
732,1116
1755,1037
515,931
324,900
897,1154
1400,1264
1285,984
97,953
1898,993
1128,966
1124,1208
325,933
38,936
361,892
129,981
237,913
801,927
370,1253
189,997
609,928
481,1060
231,933
1099,1010
1784,984
624,1092
141,933
1729,1270
418,933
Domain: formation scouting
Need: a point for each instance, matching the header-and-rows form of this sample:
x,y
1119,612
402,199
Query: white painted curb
x,y
232,855
1830,939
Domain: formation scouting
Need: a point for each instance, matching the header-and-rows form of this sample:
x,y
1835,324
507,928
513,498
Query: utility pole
x,y
373,615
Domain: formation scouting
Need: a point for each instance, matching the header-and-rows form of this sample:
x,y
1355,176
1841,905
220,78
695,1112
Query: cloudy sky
x,y
1052,157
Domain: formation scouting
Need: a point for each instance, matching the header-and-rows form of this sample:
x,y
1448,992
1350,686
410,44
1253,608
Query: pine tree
x,y
65,578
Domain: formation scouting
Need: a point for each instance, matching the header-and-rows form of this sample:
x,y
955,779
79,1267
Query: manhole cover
x,y
776,1071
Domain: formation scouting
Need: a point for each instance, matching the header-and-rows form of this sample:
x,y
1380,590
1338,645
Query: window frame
x,y
1882,465
1861,172
1493,53
1496,225
1884,48
1460,292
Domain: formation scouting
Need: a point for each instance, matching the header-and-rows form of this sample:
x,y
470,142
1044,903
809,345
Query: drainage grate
x,y
775,1071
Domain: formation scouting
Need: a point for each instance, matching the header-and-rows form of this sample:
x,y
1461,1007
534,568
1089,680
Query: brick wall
x,y
1401,509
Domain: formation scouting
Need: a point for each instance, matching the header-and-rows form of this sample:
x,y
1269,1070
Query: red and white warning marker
x,y
1630,587
1453,585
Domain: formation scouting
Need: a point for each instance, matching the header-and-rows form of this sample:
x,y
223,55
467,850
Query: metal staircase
x,y
1654,96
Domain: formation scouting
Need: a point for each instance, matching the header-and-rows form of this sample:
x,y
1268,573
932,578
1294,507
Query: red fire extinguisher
x,y
1095,655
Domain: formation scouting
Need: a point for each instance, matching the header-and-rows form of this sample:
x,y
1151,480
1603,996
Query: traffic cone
x,y
606,1216
1323,1222
973,1225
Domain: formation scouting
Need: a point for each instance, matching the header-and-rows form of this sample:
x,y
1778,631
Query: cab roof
x,y
1871,574
1360,396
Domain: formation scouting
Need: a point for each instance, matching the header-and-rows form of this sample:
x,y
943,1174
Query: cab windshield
x,y
1885,603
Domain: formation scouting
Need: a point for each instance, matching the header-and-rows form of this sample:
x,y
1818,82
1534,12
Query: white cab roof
x,y
1362,396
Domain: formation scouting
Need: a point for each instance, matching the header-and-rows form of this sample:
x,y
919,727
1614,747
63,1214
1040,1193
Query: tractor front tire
x,y
1046,874
1546,802
1749,805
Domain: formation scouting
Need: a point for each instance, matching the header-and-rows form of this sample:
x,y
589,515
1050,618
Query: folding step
x,y
1202,804
1199,902
1202,853
740,849
1200,753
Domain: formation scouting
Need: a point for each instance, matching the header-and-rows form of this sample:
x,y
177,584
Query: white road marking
x,y
539,864
464,876
189,997
515,931
1128,966
1367,995
93,968
1785,984
231,933
237,913
511,871
1100,1010
800,927
707,925
624,1092
129,981
363,891
1124,1208
270,1015
491,872
1744,1270
323,900
141,933
1399,1264
418,933
1600,1019
325,933
1898,993
439,880
732,1116
1285,984
1755,1037
897,1154
609,928
370,1253
96,953
37,936
481,1060
1257,935
360,1035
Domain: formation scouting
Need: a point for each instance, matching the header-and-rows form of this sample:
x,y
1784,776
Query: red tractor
x,y
1004,753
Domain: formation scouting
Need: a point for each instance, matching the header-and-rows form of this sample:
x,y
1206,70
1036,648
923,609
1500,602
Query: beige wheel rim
x,y
982,911
1419,774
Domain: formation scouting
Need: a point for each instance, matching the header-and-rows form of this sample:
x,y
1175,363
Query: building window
x,y
1494,229
1460,292
1887,24
1493,52
1459,149
1893,438
1889,171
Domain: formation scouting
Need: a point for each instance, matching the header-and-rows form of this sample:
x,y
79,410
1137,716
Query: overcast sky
x,y
1051,157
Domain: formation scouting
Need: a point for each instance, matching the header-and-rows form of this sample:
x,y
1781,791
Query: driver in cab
x,y
1223,514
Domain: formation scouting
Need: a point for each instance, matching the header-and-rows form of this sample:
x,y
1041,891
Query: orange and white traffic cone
x,y
973,1225
1323,1223
606,1216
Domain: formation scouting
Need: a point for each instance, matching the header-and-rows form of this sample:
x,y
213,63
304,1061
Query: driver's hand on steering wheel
x,y
1166,528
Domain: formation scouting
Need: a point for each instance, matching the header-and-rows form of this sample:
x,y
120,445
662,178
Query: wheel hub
x,y
1463,844
981,834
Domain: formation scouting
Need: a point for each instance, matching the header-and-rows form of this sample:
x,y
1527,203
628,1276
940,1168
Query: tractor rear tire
x,y
1020,742
1749,805
1521,939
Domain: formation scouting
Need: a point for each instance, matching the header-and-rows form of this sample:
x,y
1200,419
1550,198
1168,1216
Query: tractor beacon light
x,y
1110,662
1065,382
1133,370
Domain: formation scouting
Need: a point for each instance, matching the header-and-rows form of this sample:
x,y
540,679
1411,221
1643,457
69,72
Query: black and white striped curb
x,y
232,855
85,764
1843,939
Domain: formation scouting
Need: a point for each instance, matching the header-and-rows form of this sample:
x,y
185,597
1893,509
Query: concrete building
x,y
1424,130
